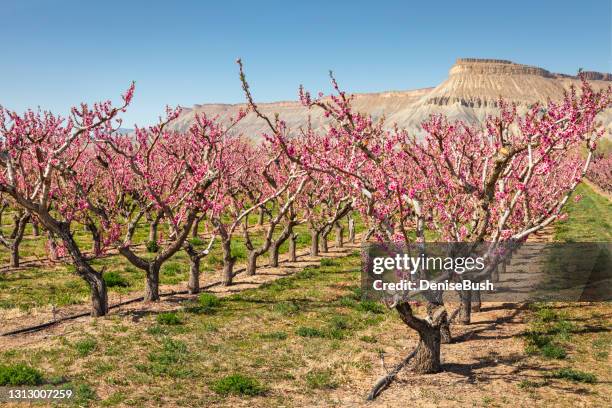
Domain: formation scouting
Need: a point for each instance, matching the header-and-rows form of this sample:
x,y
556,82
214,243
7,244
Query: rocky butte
x,y
470,92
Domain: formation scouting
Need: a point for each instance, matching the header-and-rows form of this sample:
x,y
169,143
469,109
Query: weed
x,y
114,280
238,384
321,379
169,319
86,346
574,375
19,374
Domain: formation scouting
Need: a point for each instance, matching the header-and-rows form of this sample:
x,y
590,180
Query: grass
x,y
85,347
19,374
589,220
114,279
169,319
238,384
245,335
549,333
321,379
574,375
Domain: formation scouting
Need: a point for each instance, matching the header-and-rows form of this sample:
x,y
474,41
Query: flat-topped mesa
x,y
484,66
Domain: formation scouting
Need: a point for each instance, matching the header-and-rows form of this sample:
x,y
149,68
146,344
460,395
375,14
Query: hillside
x,y
470,93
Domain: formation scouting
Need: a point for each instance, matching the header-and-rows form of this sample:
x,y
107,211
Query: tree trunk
x,y
351,230
195,228
99,295
427,357
152,283
15,256
465,307
324,244
52,247
445,333
292,245
339,235
274,250
96,246
228,262
18,237
194,275
153,230
35,229
260,218
252,263
476,302
314,243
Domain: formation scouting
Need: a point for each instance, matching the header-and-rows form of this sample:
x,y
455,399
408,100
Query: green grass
x,y
321,379
246,334
85,347
19,374
589,220
169,319
114,279
574,375
238,384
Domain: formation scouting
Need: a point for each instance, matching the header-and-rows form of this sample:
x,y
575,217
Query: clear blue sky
x,y
57,53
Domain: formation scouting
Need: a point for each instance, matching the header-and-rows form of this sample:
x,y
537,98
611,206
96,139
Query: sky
x,y
56,54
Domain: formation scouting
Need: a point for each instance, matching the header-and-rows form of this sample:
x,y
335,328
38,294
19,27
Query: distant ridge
x,y
471,91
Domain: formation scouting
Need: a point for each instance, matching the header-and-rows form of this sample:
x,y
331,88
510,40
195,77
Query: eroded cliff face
x,y
471,91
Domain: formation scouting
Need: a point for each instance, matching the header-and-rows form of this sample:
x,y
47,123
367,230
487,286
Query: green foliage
x,y
238,384
169,319
86,346
208,303
574,375
309,332
286,308
83,393
19,374
152,246
278,335
114,279
169,361
328,262
371,306
321,379
368,339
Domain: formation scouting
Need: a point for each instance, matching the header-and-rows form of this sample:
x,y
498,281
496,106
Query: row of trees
x,y
600,172
497,182
67,174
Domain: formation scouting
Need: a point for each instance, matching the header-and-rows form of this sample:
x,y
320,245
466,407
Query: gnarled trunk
x,y
152,283
35,229
314,243
153,226
274,251
351,230
339,229
427,357
228,262
99,294
252,263
476,302
324,243
194,275
260,218
465,307
292,248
